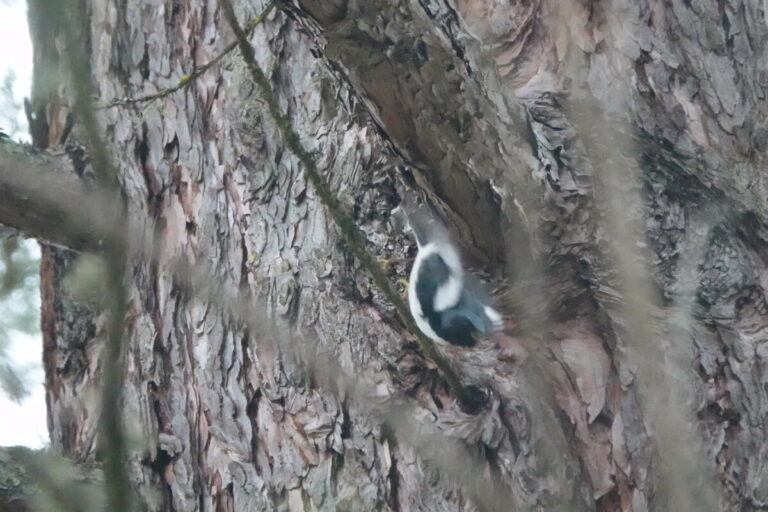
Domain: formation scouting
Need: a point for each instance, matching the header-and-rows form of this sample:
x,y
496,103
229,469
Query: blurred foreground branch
x,y
37,480
76,203
40,192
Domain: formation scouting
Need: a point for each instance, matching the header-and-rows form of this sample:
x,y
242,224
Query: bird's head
x,y
428,230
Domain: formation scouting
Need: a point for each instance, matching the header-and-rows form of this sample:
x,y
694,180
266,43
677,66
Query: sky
x,y
25,423
17,53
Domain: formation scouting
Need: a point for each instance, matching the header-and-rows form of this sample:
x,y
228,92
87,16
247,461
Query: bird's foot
x,y
404,284
386,263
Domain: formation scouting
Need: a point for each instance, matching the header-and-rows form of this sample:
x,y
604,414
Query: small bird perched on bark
x,y
448,304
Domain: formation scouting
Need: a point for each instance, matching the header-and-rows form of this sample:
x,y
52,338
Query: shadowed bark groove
x,y
525,124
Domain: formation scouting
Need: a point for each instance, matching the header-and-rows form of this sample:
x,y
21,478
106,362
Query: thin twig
x,y
189,79
349,229
111,434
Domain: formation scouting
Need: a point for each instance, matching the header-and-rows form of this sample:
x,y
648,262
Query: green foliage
x,y
19,305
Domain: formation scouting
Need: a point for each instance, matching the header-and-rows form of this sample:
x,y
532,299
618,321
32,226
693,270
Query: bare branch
x,y
38,480
111,435
686,479
189,79
38,194
349,229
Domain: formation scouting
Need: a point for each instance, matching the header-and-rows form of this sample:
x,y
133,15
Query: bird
x,y
448,304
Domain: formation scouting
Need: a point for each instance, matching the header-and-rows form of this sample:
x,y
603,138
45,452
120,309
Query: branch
x,y
188,79
112,438
36,480
468,397
42,196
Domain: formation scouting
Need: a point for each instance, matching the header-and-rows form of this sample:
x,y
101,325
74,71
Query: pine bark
x,y
602,158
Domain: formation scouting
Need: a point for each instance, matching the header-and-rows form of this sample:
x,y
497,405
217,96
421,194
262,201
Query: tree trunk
x,y
602,157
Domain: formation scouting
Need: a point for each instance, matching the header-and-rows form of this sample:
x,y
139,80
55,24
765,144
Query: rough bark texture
x,y
527,120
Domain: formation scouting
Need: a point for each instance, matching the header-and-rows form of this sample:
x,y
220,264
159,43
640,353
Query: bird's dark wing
x,y
433,272
459,327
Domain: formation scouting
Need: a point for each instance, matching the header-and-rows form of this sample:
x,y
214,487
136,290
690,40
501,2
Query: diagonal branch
x,y
349,229
112,438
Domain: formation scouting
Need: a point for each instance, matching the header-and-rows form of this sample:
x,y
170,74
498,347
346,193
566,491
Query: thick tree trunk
x,y
566,143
